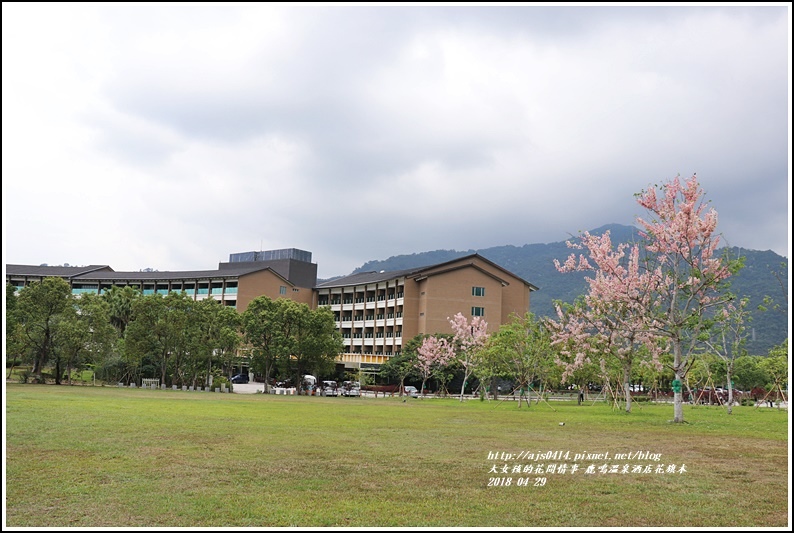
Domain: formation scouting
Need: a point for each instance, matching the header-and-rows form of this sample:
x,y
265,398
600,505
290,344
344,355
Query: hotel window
x,y
477,311
478,291
282,290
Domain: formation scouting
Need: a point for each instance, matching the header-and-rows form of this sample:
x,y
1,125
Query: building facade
x,y
376,312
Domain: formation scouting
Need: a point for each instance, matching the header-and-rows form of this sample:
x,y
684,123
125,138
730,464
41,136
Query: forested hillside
x,y
762,276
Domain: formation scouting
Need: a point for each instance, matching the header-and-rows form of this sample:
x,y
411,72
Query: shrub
x,y
219,381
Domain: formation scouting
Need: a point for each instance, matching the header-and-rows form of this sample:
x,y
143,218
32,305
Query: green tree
x,y
268,326
15,345
776,366
160,329
749,374
215,339
87,335
403,366
41,307
120,301
520,351
317,342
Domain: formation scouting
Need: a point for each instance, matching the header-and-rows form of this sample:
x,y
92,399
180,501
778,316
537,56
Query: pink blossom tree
x,y
664,300
434,354
607,322
685,275
469,339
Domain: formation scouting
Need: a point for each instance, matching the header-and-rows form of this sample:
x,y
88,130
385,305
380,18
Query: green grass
x,y
108,457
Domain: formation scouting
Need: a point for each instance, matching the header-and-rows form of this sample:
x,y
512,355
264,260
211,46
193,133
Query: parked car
x,y
411,391
330,388
240,378
351,388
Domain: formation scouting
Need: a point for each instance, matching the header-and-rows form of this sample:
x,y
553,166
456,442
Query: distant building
x,y
235,283
376,312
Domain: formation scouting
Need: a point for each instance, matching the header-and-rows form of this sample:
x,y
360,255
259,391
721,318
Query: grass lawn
x,y
86,456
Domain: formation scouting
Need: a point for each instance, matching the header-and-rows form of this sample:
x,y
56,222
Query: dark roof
x,y
231,270
374,277
54,271
367,277
107,273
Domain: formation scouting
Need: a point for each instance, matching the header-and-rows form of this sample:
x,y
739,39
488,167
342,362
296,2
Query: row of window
x,y
369,352
380,316
325,300
216,288
372,335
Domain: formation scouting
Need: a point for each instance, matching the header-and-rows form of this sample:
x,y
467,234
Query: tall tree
x,y
162,328
41,307
317,342
215,341
268,326
15,345
686,275
88,334
469,338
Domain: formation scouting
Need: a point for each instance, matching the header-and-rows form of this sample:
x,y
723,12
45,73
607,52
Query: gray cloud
x,y
363,132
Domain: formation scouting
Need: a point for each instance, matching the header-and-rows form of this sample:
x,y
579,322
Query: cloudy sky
x,y
169,136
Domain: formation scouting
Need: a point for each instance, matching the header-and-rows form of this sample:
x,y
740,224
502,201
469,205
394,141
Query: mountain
x,y
535,264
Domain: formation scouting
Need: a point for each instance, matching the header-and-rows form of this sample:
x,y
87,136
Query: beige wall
x,y
447,290
267,283
450,293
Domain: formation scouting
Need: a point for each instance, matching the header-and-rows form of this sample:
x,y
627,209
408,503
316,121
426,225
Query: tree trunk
x,y
626,385
678,402
678,397
730,389
465,379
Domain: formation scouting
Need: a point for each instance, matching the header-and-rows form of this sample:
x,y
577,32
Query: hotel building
x,y
376,312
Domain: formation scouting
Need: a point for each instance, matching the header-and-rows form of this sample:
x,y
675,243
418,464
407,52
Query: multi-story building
x,y
376,312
